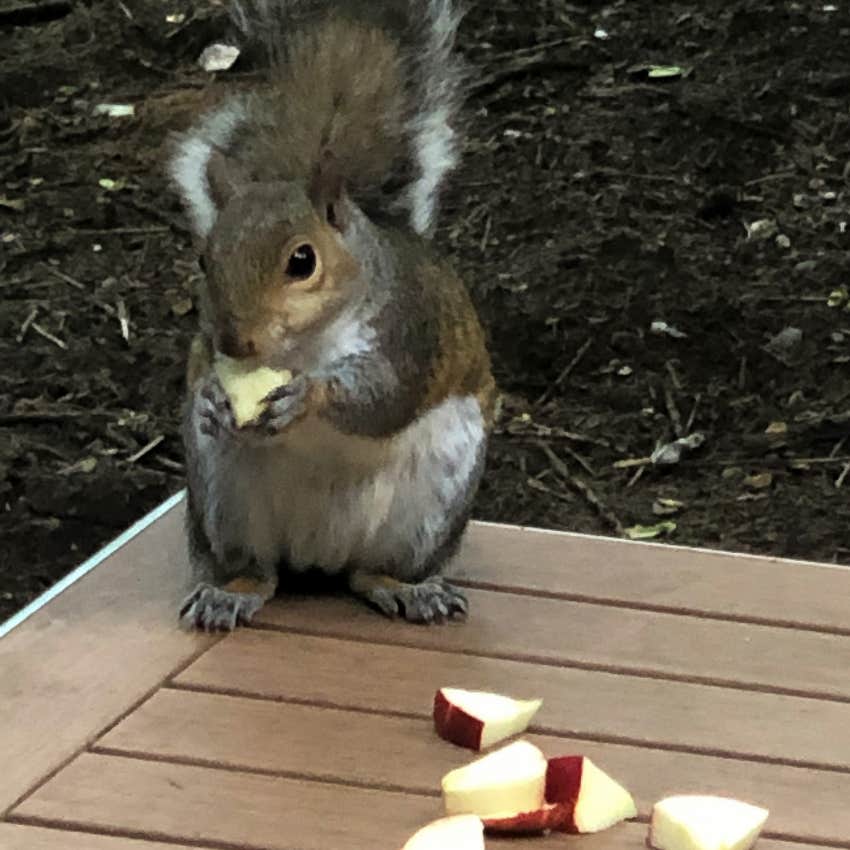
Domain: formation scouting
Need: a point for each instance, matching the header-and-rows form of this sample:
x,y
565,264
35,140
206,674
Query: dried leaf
x,y
671,453
662,328
218,57
667,507
662,72
648,532
759,481
115,110
16,204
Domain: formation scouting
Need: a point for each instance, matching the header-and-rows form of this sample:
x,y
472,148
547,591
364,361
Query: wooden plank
x,y
80,662
578,702
196,804
186,803
558,631
405,753
657,576
22,837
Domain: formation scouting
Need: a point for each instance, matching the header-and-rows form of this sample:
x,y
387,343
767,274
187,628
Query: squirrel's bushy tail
x,y
374,84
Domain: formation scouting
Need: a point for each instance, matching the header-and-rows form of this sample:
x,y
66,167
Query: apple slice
x,y
477,720
247,384
701,822
590,799
503,784
459,832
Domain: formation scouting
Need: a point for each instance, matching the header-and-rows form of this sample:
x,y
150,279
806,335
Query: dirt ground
x,y
596,197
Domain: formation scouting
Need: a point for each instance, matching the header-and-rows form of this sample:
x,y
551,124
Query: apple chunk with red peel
x,y
459,832
477,719
590,800
503,784
703,822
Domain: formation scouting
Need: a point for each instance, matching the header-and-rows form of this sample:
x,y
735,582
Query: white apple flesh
x,y
459,832
703,822
590,799
477,719
503,784
247,384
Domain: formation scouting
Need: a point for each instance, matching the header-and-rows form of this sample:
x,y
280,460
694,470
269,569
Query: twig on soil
x,y
47,335
535,484
486,235
146,449
742,373
71,281
693,414
583,488
106,231
124,320
674,375
673,412
565,373
842,475
767,178
25,325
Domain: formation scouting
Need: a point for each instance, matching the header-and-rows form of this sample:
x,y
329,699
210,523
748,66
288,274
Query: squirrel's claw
x,y
215,610
215,413
282,407
433,600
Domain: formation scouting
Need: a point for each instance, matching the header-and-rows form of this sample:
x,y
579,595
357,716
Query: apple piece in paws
x,y
247,385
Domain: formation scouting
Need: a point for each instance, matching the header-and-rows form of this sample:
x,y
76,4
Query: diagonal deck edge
x,y
91,563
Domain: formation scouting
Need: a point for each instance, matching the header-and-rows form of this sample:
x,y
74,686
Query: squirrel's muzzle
x,y
232,344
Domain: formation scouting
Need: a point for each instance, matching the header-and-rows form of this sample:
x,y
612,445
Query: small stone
x,y
782,241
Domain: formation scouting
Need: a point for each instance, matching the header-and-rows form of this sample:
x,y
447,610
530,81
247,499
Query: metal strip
x,y
94,561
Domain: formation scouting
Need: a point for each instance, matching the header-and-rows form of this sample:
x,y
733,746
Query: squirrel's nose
x,y
232,345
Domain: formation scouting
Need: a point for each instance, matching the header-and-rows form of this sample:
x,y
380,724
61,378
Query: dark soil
x,y
593,200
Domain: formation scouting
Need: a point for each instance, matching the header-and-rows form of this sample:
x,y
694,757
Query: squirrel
x,y
312,198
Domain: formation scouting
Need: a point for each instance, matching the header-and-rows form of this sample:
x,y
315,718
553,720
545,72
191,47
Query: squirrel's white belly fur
x,y
330,500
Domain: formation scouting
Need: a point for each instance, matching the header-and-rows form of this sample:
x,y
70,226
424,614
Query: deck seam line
x,y
132,834
568,664
91,740
578,735
317,778
215,844
610,602
676,548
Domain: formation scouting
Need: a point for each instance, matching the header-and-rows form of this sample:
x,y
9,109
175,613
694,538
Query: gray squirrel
x,y
312,198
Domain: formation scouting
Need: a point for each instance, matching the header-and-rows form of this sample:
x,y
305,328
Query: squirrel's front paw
x,y
433,600
214,411
215,610
283,406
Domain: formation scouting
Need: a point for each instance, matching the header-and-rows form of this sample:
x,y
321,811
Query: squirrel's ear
x,y
327,191
225,177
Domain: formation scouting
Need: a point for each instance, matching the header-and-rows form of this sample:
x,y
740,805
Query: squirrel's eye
x,y
302,262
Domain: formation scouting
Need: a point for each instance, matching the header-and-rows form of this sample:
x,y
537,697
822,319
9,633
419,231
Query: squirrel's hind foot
x,y
214,609
433,600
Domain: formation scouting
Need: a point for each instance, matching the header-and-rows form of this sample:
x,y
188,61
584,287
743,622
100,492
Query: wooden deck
x,y
676,670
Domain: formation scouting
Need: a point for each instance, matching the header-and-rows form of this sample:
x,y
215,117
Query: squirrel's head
x,y
276,264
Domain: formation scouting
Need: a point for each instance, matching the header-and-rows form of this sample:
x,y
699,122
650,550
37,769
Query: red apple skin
x,y
549,817
563,784
455,725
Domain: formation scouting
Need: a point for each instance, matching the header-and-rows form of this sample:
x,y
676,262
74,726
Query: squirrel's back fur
x,y
373,84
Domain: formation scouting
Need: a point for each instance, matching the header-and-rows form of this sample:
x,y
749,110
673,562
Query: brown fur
x,y
342,90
